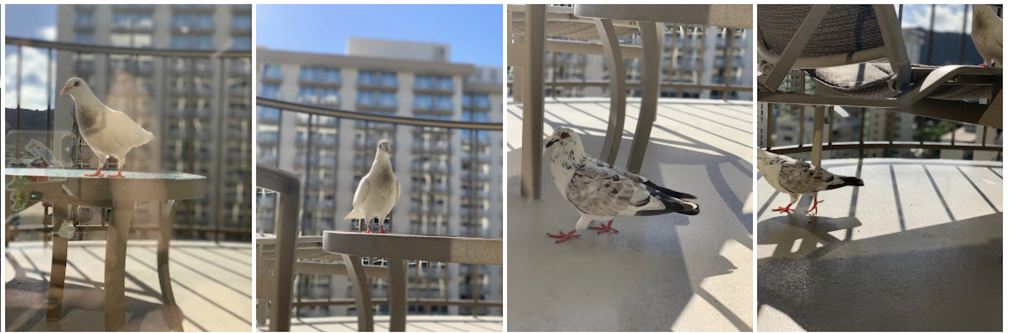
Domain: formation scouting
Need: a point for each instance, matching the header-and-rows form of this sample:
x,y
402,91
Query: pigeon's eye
x,y
77,83
564,135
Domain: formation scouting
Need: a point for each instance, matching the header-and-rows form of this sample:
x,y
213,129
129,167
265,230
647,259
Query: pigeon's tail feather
x,y
670,192
354,214
847,181
672,206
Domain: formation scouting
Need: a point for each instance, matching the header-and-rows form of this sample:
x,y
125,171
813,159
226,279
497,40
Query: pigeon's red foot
x,y
784,209
96,174
604,228
382,230
118,174
814,207
564,236
368,230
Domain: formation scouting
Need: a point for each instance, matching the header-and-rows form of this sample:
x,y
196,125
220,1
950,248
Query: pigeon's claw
x,y
604,228
814,207
564,236
785,209
382,230
96,174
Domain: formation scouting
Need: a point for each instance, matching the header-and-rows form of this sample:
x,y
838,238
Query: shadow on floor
x,y
937,278
83,309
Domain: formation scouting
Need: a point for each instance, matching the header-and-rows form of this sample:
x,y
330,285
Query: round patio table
x,y
64,187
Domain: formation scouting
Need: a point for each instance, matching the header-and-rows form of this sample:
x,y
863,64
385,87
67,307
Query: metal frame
x,y
289,189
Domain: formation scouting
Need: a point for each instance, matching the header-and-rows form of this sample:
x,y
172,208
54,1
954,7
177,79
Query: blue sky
x,y
474,32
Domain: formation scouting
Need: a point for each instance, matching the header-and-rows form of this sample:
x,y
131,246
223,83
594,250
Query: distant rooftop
x,y
383,48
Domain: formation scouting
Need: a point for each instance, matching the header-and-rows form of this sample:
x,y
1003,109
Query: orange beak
x,y
64,90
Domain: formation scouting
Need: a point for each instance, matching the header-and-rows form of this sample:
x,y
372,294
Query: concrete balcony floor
x,y
419,323
662,273
212,285
918,248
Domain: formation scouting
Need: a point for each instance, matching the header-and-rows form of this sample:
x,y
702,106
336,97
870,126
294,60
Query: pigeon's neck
x,y
569,156
87,103
382,162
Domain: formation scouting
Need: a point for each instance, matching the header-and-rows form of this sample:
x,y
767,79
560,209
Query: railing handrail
x,y
335,112
87,48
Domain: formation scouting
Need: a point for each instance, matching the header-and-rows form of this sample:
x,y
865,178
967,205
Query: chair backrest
x,y
827,36
289,188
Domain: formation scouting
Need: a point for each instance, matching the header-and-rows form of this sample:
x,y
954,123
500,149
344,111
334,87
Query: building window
x,y
270,90
84,38
444,103
84,19
243,22
444,83
422,102
242,42
423,82
272,72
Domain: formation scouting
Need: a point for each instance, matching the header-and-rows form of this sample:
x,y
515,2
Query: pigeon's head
x,y
564,137
75,85
384,146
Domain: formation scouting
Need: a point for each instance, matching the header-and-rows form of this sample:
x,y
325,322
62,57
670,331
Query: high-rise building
x,y
450,179
197,107
686,50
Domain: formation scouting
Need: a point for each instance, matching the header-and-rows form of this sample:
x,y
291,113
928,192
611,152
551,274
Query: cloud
x,y
34,85
948,18
46,33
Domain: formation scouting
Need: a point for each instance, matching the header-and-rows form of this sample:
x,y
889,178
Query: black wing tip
x,y
670,192
853,181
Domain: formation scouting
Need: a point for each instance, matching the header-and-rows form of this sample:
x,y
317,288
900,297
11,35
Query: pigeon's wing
x,y
396,194
802,177
601,190
128,133
361,193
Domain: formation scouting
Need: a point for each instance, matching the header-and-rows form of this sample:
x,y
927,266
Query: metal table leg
x,y
360,285
168,213
616,122
115,265
650,93
59,266
398,295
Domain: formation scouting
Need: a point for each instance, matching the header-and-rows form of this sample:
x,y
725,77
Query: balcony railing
x,y
212,163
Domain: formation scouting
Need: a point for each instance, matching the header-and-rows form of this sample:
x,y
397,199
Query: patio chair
x,y
841,47
281,273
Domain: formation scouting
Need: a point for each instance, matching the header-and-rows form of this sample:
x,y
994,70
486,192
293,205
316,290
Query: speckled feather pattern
x,y
601,190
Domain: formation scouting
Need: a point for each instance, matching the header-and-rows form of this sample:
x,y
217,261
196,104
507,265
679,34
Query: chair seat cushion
x,y
871,80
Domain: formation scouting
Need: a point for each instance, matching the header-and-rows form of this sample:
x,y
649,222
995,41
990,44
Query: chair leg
x,y
262,270
616,122
650,93
533,102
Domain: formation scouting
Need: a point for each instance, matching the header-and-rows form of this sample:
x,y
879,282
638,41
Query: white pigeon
x,y
988,34
108,132
600,191
378,191
796,178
